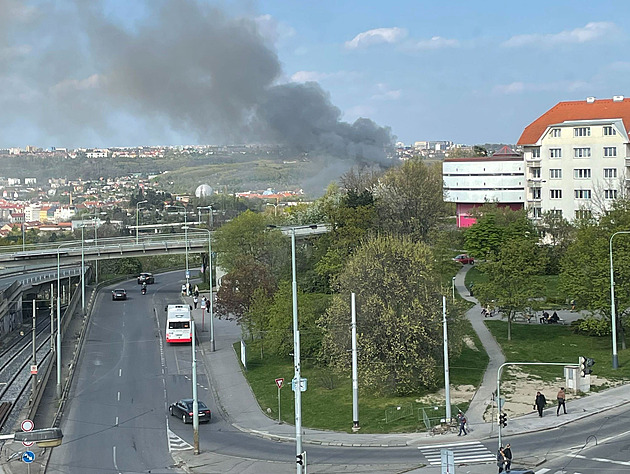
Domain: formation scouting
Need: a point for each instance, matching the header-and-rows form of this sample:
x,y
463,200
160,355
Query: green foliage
x,y
592,326
496,225
410,199
398,316
120,266
511,285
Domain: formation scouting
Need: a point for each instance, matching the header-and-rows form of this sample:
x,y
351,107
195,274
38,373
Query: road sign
x,y
187,274
28,444
28,456
34,369
302,385
27,425
279,382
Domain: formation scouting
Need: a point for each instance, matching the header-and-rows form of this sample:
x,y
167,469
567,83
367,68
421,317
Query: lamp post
x,y
453,289
138,217
210,302
82,271
613,311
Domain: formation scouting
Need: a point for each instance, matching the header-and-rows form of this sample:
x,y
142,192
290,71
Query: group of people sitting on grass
x,y
546,319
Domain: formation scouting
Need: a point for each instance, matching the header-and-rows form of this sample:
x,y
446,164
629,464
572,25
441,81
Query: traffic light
x,y
301,458
503,420
585,366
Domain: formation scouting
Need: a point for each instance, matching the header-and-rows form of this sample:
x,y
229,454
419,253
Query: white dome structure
x,y
203,190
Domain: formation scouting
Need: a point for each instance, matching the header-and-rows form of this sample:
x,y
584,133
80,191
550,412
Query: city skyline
x,y
102,75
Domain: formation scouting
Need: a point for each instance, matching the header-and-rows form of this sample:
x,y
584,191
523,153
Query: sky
x,y
340,77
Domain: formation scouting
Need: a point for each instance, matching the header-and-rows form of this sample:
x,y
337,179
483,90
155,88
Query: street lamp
x,y
613,316
210,302
138,217
59,316
82,270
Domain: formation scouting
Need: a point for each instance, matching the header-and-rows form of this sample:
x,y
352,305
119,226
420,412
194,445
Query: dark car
x,y
146,278
119,294
464,259
184,410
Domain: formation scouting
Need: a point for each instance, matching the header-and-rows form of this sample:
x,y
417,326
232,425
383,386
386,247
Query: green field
x,y
327,403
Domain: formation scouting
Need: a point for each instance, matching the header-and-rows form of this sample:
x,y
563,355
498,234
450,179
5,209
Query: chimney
x,y
617,98
590,100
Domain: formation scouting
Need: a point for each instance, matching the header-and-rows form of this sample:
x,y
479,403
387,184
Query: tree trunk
x,y
509,325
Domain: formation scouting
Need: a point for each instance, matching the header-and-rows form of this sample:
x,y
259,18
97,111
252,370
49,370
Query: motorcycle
x,y
144,290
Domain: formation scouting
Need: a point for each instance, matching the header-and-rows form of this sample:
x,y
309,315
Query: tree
x,y
496,225
398,316
247,238
511,273
410,199
239,286
556,234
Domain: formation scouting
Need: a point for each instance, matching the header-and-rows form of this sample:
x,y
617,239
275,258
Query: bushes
x,y
592,326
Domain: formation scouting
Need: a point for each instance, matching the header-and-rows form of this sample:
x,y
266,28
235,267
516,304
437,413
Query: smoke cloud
x,y
184,67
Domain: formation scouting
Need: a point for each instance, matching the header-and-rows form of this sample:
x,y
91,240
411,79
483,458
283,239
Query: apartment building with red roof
x,y
577,156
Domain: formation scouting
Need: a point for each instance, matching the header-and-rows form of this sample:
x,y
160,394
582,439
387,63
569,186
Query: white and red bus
x,y
178,323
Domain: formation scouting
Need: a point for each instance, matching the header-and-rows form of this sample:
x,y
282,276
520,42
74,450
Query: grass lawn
x,y
327,403
552,343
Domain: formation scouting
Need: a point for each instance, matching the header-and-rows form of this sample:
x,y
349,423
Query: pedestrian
x,y
561,400
184,289
545,318
540,403
507,452
196,290
204,302
195,301
572,305
500,459
462,423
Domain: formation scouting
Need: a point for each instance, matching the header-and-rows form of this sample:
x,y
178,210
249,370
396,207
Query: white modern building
x,y
576,156
471,182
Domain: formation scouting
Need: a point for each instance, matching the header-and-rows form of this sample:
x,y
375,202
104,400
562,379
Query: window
x,y
556,212
582,173
555,153
536,212
555,132
535,172
536,193
536,152
556,193
555,174
582,152
610,172
582,214
610,194
582,132
609,131
582,194
610,151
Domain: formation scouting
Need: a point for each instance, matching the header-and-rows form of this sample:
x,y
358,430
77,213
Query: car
x,y
146,278
184,410
464,259
119,294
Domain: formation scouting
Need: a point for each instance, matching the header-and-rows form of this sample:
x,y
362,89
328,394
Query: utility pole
x,y
34,376
355,376
447,382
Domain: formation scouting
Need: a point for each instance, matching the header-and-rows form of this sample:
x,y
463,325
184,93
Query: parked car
x,y
119,294
146,278
464,259
184,410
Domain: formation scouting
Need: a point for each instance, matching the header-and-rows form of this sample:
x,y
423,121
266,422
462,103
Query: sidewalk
x,y
238,405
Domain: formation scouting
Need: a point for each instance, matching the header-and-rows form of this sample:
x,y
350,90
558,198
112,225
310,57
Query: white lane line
x,y
120,372
610,461
116,422
118,396
115,462
542,471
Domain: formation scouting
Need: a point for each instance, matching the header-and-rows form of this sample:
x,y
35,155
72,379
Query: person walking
x,y
561,401
507,453
195,301
540,403
462,423
500,459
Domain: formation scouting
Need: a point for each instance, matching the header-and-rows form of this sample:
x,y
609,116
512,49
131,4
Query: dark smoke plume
x,y
188,67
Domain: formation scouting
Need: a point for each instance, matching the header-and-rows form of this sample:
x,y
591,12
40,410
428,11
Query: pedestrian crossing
x,y
175,443
464,453
548,471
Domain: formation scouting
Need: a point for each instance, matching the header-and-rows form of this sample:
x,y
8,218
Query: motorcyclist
x,y
144,287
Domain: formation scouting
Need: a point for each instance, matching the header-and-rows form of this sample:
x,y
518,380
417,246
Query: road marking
x,y
611,461
175,443
118,396
116,424
542,471
120,372
469,452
